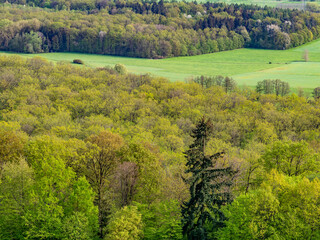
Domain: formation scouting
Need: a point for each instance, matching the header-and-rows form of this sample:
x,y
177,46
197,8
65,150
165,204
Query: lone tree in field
x,y
306,55
209,187
316,93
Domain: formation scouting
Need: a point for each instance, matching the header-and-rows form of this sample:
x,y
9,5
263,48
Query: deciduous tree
x,y
98,166
125,224
291,158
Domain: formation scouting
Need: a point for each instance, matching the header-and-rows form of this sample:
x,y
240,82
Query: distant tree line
x,y
276,87
267,86
227,83
151,29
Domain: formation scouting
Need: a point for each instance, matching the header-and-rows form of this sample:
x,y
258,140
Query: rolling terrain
x,y
270,3
246,66
122,120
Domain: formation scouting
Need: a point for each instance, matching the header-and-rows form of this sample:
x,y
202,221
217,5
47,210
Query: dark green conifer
x,y
209,187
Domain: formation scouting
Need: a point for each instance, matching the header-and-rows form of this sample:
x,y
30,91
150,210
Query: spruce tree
x,y
208,187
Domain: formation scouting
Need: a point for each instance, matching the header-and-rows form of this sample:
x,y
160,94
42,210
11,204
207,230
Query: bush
x,y
120,68
78,61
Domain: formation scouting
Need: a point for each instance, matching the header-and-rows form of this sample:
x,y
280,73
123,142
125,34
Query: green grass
x,y
270,3
247,66
305,75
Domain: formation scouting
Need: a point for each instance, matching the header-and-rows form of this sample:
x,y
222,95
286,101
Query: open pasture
x,y
247,66
270,3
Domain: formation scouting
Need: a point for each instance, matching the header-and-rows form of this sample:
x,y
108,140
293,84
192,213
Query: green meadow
x,y
270,3
247,66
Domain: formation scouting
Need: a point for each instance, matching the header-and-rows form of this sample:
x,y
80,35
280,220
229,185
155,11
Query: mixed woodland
x,y
150,29
103,154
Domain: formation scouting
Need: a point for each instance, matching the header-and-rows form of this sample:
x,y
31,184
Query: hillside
x,y
155,120
155,30
62,119
246,66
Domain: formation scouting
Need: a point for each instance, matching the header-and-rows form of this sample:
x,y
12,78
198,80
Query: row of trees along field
x,y
152,29
99,154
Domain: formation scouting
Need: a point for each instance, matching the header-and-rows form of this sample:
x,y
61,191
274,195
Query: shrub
x,y
120,68
78,61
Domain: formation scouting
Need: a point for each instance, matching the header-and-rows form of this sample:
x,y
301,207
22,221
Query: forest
x,y
150,29
99,153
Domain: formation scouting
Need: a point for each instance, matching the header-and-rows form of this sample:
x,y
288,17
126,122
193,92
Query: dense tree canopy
x,y
283,208
60,122
151,29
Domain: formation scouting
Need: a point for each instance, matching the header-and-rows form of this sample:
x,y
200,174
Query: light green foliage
x,y
265,132
4,23
251,216
11,146
167,134
100,158
16,181
173,186
137,128
104,158
149,171
120,68
77,227
56,193
79,206
284,208
161,220
9,126
291,158
125,224
251,173
95,124
40,200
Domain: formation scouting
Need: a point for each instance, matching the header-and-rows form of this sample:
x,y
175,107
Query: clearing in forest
x,y
247,66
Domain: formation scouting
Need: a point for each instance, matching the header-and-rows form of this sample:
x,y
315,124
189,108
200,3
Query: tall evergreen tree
x,y
209,187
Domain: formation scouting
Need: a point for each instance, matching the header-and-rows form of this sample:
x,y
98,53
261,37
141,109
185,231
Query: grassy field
x,y
247,66
270,3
